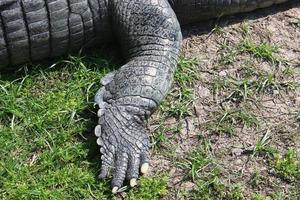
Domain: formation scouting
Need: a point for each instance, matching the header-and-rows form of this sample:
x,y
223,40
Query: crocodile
x,y
150,38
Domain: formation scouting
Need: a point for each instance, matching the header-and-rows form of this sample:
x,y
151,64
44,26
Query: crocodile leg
x,y
150,37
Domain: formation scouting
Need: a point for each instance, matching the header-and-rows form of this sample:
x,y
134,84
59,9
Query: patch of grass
x,y
178,102
251,84
215,190
287,166
202,170
159,140
160,137
196,163
245,28
218,30
262,146
149,188
185,75
227,120
296,23
257,179
289,71
227,53
263,50
46,125
258,197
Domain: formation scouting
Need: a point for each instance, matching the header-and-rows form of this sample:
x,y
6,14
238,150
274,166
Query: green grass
x,y
249,81
205,173
180,99
45,119
257,179
288,166
262,50
160,142
227,53
47,146
262,146
177,105
149,188
251,84
217,30
195,163
296,23
258,197
227,120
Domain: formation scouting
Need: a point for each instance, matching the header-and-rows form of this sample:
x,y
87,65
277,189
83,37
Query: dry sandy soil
x,y
243,156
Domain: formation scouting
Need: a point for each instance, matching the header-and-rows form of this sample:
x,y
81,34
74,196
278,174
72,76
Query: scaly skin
x,y
150,37
189,11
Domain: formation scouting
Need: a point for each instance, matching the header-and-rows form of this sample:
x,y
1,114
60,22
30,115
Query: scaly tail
x,y
189,11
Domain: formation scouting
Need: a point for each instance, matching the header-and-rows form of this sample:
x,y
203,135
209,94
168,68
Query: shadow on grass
x,y
92,58
208,26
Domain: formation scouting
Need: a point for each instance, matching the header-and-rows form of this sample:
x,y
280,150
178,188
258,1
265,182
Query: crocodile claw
x,y
123,141
124,147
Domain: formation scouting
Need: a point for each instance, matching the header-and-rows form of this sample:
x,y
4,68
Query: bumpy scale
x,y
150,36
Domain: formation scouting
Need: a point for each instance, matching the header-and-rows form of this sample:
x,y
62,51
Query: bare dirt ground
x,y
248,156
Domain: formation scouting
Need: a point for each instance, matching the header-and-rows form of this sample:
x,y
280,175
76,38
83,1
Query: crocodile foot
x,y
123,139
